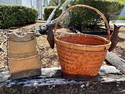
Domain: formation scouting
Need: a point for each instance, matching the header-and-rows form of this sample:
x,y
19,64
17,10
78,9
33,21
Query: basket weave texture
x,y
82,54
20,47
24,64
22,53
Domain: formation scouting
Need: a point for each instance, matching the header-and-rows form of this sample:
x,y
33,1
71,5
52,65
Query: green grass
x,y
120,0
119,18
117,0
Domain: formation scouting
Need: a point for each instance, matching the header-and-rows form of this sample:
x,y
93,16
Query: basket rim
x,y
80,45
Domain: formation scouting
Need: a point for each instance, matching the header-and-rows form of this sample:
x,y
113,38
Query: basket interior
x,y
83,39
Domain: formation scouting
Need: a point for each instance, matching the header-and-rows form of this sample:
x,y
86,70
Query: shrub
x,y
81,18
11,16
55,2
49,9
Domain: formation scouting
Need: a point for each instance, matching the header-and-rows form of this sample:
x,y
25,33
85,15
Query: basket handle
x,y
89,7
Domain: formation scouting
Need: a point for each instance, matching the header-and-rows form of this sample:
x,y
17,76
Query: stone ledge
x,y
110,81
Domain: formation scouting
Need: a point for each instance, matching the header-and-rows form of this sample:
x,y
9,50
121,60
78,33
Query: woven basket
x,y
20,47
81,55
23,59
24,64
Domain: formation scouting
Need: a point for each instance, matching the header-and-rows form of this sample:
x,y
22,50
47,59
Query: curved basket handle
x,y
89,7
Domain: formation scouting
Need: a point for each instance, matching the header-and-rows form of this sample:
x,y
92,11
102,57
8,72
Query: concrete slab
x,y
117,22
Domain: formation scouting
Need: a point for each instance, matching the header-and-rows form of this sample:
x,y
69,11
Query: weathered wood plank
x,y
115,60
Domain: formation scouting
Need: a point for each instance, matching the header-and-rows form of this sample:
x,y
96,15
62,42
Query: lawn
x,y
117,0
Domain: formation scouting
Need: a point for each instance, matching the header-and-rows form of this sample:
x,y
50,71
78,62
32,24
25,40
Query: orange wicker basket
x,y
81,55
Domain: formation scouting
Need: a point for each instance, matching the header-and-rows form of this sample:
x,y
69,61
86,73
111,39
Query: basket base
x,y
25,74
80,77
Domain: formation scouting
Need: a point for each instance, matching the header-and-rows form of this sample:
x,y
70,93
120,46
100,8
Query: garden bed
x,y
49,56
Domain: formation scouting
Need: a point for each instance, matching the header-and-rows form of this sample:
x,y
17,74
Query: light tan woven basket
x,y
23,59
24,64
21,46
81,55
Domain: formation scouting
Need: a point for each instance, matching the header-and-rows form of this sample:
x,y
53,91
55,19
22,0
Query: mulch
x,y
48,56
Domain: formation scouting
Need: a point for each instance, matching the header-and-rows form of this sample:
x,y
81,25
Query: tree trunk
x,y
114,37
50,23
